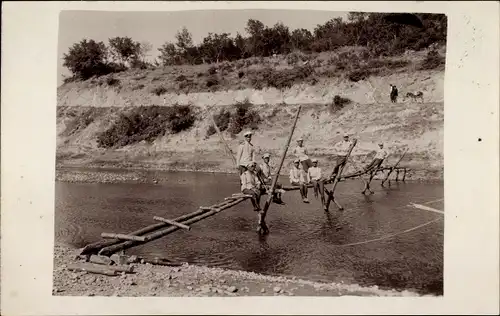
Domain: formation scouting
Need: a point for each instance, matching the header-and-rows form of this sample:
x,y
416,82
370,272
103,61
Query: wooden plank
x,y
161,219
96,269
81,266
160,233
122,236
95,247
240,195
263,229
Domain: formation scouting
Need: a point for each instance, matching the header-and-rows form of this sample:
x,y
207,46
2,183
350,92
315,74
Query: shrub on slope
x,y
146,123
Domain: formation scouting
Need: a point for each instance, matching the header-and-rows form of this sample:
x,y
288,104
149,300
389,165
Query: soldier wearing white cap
x,y
378,159
246,152
298,178
301,153
250,185
314,176
342,151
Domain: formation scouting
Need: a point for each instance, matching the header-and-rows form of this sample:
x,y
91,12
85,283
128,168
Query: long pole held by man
x,y
262,227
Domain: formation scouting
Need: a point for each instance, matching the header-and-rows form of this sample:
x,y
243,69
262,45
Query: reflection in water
x,y
304,240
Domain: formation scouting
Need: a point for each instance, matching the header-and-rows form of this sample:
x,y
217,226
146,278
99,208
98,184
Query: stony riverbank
x,y
189,280
137,174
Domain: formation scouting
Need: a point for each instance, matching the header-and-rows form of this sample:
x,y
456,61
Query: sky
x,y
160,27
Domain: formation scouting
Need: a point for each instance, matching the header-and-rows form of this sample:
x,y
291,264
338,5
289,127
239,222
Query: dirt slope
x,y
86,109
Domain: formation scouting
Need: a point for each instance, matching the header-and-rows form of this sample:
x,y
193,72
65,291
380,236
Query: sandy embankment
x,y
189,280
417,126
370,117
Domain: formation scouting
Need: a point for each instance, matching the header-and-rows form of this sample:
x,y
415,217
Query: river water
x,y
376,240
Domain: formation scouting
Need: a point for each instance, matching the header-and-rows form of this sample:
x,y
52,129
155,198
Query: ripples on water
x,y
304,240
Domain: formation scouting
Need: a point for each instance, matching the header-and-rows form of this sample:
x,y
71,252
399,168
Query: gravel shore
x,y
189,280
143,175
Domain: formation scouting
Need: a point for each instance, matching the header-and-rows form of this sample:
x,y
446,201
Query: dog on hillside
x,y
415,96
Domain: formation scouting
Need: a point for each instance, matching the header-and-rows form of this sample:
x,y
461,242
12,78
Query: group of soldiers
x,y
256,179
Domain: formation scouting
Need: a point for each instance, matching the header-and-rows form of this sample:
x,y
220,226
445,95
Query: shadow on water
x,y
349,246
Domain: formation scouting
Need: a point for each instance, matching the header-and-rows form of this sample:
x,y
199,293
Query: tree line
x,y
382,34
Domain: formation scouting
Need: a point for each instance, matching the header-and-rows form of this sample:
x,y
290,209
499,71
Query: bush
x,y
180,118
212,81
211,130
222,120
159,90
359,74
281,79
244,117
138,87
432,61
87,59
146,123
111,81
295,57
69,79
339,103
181,78
212,70
81,121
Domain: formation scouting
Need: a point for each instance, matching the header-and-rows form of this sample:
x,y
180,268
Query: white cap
x,y
296,160
248,133
251,163
266,155
315,160
381,143
300,139
346,135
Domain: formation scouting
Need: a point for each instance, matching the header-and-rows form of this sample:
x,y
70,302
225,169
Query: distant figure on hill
x,y
393,93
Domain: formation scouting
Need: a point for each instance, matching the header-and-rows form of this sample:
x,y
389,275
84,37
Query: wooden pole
x,y
330,194
262,227
122,236
228,149
394,167
107,251
161,219
367,183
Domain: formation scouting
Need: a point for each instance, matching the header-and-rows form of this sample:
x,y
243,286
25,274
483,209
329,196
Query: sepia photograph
x,y
250,153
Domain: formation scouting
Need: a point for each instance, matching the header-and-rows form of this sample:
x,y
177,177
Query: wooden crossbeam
x,y
161,219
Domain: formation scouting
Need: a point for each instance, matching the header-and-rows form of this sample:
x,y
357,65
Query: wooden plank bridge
x,y
117,242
